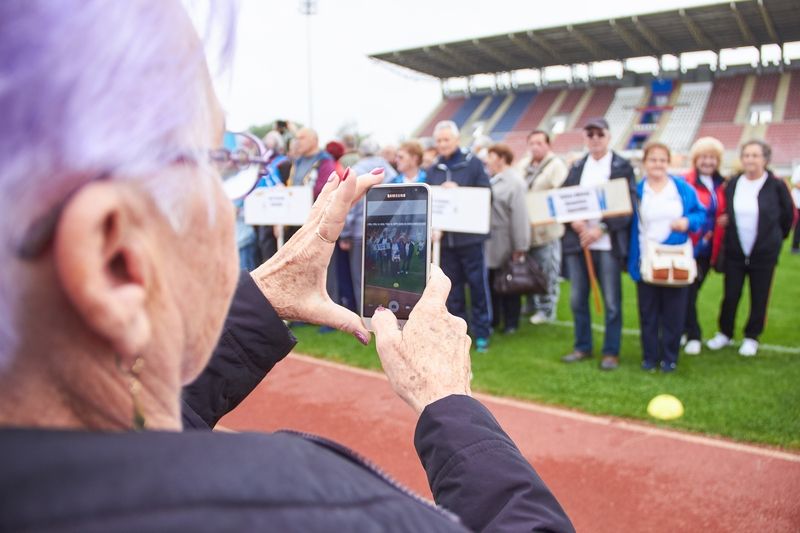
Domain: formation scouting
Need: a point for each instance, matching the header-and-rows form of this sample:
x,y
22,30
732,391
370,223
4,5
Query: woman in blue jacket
x,y
668,209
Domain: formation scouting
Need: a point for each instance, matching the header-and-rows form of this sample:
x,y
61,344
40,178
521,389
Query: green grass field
x,y
747,399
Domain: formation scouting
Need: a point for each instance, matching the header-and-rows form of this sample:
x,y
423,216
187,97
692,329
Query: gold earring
x,y
135,387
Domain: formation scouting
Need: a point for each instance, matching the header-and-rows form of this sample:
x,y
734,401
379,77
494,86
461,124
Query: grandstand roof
x,y
710,27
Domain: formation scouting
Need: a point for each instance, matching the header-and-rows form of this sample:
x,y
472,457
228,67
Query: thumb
x,y
387,330
344,320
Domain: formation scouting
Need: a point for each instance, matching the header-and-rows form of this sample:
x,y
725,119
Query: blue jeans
x,y
248,257
465,265
608,272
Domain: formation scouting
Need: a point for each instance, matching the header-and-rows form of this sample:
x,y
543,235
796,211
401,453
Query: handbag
x,y
669,264
524,276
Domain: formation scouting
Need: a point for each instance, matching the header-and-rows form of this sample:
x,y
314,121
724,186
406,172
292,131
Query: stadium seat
x,y
684,120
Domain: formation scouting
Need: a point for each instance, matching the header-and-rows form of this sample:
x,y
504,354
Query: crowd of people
x,y
739,238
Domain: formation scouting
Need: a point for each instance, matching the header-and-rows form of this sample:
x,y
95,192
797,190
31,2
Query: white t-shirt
x,y
658,211
745,206
597,172
708,181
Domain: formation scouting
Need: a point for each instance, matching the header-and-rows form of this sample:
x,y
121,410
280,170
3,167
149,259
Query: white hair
x,y
274,141
369,146
446,125
90,87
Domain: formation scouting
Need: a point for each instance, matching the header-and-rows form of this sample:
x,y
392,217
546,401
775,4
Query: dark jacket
x,y
467,171
775,217
618,227
204,481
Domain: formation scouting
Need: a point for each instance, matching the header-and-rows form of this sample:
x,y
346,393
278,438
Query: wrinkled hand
x,y
722,221
293,280
681,225
589,236
429,358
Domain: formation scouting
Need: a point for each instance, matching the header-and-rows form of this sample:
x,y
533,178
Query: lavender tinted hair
x,y
91,86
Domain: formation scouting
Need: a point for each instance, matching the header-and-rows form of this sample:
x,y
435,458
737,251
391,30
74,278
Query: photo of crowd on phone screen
x,y
395,254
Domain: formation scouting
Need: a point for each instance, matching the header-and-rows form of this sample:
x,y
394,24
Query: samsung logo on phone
x,y
396,195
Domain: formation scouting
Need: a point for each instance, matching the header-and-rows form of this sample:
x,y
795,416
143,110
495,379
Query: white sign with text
x,y
278,206
461,209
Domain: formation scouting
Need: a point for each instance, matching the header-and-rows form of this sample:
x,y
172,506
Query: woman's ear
x,y
100,254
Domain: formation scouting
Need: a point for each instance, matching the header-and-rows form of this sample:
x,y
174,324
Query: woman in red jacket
x,y
706,155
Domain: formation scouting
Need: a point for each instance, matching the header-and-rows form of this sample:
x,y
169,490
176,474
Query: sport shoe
x,y
649,366
482,345
693,347
539,318
684,340
609,362
719,341
749,347
576,356
668,367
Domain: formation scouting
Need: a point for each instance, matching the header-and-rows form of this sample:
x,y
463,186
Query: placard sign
x,y
567,204
277,206
575,203
461,209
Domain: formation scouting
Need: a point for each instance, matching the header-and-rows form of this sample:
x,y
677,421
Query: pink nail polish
x,y
332,176
361,338
376,171
380,308
346,174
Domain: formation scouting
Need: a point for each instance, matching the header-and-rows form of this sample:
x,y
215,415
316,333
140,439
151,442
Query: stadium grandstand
x,y
734,103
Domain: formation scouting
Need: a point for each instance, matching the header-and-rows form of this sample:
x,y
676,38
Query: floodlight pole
x,y
308,8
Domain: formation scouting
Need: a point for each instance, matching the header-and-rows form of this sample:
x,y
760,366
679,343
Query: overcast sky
x,y
269,76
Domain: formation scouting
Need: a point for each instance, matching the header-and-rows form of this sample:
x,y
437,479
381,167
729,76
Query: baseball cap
x,y
597,122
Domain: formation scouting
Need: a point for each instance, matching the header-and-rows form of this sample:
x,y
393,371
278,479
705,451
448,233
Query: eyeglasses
x,y
595,133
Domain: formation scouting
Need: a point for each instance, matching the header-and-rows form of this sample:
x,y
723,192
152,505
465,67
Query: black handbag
x,y
520,277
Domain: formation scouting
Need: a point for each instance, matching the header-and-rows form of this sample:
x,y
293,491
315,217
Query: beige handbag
x,y
669,264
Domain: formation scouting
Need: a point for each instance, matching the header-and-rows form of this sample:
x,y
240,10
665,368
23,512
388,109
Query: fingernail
x,y
380,308
346,173
376,171
361,338
332,176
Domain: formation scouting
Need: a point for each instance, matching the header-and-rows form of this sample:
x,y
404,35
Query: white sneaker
x,y
539,318
749,347
719,341
692,347
684,339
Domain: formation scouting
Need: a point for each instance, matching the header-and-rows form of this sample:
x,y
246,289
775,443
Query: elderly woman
x,y
667,210
409,160
760,214
510,232
119,266
708,183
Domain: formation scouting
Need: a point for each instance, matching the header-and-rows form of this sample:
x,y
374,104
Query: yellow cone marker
x,y
665,407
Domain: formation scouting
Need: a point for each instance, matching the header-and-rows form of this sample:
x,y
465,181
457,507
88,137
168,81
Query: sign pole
x,y
593,280
280,236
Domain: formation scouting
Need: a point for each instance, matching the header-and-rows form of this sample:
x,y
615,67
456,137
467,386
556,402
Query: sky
x,y
268,78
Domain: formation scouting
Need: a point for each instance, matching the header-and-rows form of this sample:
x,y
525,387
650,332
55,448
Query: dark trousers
x,y
662,315
796,238
465,265
692,328
506,307
760,283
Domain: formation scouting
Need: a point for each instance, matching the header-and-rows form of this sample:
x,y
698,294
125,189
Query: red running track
x,y
610,475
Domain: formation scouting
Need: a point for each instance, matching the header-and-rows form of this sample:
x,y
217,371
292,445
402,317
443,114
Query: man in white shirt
x,y
607,240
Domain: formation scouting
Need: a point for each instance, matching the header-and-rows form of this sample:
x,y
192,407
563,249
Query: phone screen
x,y
396,248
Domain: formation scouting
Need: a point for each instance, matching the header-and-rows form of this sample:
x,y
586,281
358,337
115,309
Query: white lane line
x,y
583,417
635,333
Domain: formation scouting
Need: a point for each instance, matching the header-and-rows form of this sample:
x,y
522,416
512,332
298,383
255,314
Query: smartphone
x,y
396,251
